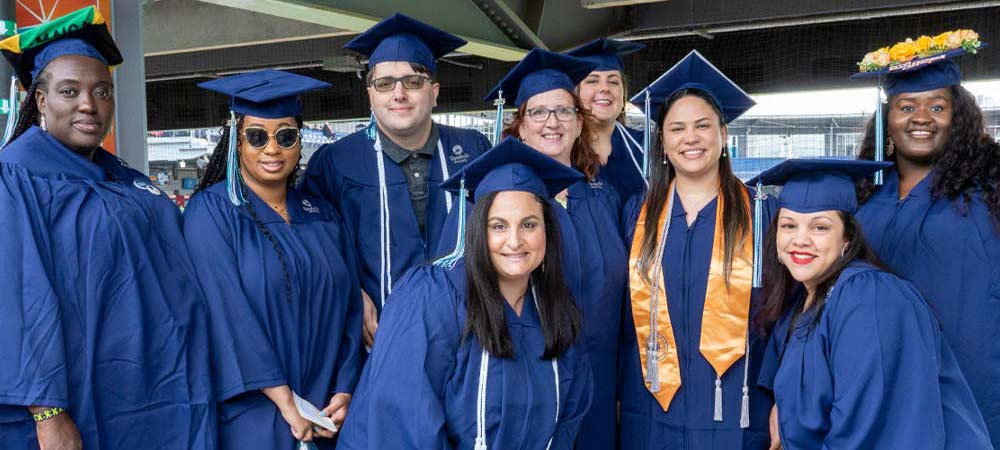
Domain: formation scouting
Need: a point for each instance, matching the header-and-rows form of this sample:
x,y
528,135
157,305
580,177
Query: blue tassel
x,y
646,138
499,120
879,133
451,259
758,235
234,181
371,129
8,131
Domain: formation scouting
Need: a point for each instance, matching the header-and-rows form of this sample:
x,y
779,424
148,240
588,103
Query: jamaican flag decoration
x,y
22,50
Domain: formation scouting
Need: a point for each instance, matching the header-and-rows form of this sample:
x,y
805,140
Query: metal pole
x,y
130,84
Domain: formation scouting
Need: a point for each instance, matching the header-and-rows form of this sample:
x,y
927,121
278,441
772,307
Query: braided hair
x,y
215,172
28,114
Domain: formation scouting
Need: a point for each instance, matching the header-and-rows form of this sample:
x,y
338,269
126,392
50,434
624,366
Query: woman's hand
x,y
336,411
370,322
773,428
57,433
281,396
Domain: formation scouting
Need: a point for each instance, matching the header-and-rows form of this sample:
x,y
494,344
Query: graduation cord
x,y
626,138
652,346
745,400
484,371
383,222
444,175
452,258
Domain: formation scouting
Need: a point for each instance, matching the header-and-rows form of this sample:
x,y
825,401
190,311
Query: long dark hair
x,y
735,214
27,113
215,172
485,318
583,156
970,159
781,290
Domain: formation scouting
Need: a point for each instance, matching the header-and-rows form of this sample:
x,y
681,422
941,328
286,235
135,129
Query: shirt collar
x,y
399,154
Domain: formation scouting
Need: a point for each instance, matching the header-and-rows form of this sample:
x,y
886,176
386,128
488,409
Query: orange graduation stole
x,y
724,319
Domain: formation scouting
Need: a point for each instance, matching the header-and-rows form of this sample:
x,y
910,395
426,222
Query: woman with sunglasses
x,y
604,92
278,271
551,119
690,356
103,327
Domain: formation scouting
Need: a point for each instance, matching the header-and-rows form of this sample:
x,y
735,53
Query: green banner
x,y
7,28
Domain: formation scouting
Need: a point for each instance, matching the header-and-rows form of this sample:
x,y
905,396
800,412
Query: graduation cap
x,y
402,38
918,65
82,32
606,53
539,71
813,185
509,166
268,94
692,72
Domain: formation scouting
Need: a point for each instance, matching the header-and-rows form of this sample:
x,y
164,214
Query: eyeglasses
x,y
410,82
258,137
541,114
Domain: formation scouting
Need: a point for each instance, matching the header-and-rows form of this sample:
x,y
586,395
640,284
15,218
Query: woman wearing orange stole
x,y
689,352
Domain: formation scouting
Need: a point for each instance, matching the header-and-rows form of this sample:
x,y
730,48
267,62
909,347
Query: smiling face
x,y
552,137
402,112
268,167
809,244
603,93
693,136
920,123
515,231
78,103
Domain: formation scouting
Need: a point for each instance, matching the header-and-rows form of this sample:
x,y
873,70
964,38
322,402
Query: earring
x,y
890,148
41,123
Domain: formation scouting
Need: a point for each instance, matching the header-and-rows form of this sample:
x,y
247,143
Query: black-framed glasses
x,y
564,114
410,82
285,137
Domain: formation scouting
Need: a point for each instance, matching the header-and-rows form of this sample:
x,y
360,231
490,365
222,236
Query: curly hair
x,y
583,156
28,114
970,160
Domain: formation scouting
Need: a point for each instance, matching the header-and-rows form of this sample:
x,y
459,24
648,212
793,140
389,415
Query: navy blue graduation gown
x,y
689,423
420,383
873,372
260,338
952,254
101,311
595,211
624,167
345,173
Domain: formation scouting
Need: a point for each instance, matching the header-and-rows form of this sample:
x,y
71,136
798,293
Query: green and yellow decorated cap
x,y
82,32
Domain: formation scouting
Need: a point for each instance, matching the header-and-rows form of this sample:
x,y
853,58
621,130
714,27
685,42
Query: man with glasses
x,y
384,179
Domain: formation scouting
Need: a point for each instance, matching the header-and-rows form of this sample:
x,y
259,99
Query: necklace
x,y
280,209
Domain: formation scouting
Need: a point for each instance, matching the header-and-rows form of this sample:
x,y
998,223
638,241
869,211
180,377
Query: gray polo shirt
x,y
416,165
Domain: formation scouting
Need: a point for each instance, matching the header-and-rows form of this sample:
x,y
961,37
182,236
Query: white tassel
x,y
745,409
652,369
718,399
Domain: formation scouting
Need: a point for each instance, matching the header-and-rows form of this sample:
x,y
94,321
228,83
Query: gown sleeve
x,y
402,392
577,404
34,362
350,361
883,360
243,357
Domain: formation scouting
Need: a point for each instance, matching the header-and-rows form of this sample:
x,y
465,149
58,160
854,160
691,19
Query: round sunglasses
x,y
285,137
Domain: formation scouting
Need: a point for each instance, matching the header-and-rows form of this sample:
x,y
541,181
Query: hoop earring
x,y
891,147
41,123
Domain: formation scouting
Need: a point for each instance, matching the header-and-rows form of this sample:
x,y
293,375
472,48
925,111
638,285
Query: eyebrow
x,y
258,124
695,121
522,220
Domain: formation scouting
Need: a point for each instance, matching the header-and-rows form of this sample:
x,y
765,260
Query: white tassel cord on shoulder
x,y
484,369
652,344
629,142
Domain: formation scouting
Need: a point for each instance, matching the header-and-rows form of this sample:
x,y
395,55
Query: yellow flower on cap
x,y
941,40
903,51
924,45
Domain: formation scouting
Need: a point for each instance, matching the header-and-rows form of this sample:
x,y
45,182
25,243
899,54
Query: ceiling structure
x,y
764,45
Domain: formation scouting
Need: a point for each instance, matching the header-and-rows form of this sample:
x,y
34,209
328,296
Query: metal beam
x,y
130,84
597,4
311,12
